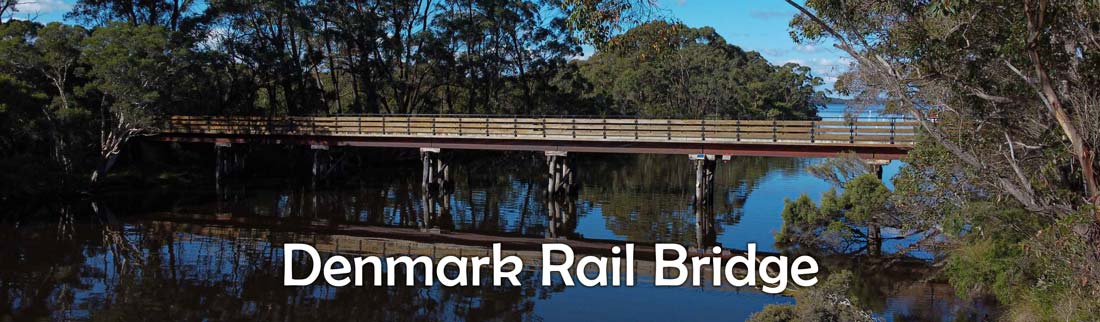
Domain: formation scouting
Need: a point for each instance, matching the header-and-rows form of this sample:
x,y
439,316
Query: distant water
x,y
840,110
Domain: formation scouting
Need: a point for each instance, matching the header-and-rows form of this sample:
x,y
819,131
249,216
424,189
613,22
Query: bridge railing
x,y
836,131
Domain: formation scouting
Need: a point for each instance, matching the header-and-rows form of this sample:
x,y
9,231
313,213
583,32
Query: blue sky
x,y
759,25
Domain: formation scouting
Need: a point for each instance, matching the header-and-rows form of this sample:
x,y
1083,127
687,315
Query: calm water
x,y
200,253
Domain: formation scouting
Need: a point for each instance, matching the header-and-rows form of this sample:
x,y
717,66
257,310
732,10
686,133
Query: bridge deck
x,y
877,138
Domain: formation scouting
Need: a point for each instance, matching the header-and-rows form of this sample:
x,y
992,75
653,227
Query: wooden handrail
x,y
875,131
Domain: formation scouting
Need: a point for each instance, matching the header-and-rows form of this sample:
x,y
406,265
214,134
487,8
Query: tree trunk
x,y
106,162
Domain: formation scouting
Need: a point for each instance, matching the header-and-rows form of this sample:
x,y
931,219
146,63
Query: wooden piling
x,y
705,166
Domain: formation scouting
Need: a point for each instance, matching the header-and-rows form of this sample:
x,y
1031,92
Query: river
x,y
196,252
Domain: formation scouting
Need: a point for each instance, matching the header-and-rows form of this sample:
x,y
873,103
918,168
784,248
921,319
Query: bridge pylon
x,y
435,190
227,162
703,204
561,195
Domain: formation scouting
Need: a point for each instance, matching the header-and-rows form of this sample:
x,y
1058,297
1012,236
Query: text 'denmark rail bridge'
x,y
878,138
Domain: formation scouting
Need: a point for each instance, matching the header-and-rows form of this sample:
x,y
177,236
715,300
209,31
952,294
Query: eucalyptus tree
x,y
131,67
1006,96
663,69
504,57
1005,88
273,39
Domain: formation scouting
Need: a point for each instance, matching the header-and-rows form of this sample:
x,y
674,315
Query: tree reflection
x,y
645,198
648,197
70,262
188,273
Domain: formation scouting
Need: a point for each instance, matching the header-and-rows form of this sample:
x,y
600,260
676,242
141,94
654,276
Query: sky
x,y
757,25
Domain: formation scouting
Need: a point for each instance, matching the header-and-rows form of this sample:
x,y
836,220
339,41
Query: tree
x,y
845,223
597,21
1006,97
827,301
56,57
46,58
980,75
131,66
662,69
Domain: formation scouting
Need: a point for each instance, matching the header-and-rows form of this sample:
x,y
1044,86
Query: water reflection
x,y
642,199
185,272
133,256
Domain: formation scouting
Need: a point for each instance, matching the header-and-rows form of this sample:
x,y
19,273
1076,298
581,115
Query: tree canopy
x,y
663,69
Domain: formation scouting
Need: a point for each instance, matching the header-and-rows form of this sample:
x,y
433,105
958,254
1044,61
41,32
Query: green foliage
x,y
986,266
841,220
826,301
131,66
864,198
597,21
37,114
802,210
775,313
662,69
18,104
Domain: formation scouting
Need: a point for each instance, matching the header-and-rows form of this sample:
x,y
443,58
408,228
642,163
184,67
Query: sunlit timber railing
x,y
872,131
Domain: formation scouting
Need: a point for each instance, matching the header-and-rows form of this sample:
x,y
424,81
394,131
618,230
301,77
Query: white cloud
x,y
42,6
807,48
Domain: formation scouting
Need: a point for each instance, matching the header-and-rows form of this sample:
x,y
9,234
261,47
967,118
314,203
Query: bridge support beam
x,y
228,162
876,166
322,165
561,195
562,179
703,205
435,191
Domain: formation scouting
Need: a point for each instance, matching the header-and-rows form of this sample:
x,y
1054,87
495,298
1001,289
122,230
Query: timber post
x,y
320,167
703,205
227,161
435,190
562,178
561,194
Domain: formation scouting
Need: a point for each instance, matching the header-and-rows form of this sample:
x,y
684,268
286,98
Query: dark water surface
x,y
200,253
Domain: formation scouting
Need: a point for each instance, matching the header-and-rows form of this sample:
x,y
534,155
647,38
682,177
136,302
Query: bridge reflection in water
x,y
223,252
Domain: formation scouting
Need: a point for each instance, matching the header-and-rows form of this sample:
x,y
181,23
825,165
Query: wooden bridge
x,y
878,138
